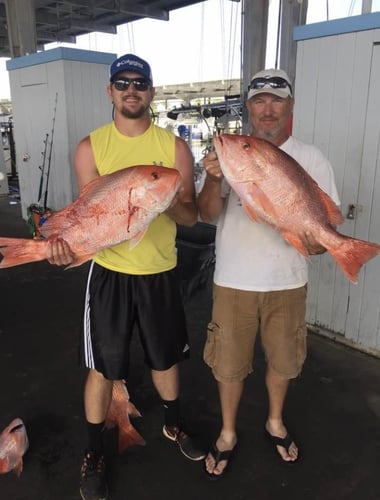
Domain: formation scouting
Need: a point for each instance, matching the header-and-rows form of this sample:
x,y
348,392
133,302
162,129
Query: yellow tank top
x,y
113,151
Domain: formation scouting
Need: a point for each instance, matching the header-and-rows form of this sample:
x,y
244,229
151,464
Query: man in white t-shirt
x,y
260,280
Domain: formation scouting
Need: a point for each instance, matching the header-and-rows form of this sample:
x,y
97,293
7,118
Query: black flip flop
x,y
219,456
284,443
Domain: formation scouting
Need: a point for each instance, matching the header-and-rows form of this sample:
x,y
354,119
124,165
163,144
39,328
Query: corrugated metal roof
x,y
64,20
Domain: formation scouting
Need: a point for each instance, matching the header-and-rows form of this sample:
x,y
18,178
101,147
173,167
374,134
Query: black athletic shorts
x,y
116,304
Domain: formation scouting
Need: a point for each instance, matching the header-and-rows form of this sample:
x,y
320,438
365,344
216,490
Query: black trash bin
x,y
196,256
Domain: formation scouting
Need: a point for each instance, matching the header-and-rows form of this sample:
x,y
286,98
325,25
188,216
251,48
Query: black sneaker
x,y
93,484
186,444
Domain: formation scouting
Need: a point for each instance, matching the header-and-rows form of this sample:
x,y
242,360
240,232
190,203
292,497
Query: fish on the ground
x,y
110,209
275,189
121,408
13,445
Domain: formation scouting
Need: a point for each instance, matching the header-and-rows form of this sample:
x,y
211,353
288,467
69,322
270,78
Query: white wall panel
x,y
368,225
78,79
338,109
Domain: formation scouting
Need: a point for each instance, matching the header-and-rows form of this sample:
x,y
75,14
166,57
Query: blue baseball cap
x,y
130,62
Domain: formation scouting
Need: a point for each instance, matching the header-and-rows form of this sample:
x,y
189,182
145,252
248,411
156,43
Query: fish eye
x,y
155,175
245,145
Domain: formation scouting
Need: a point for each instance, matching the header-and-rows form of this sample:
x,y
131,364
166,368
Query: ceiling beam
x,y
21,27
103,8
29,24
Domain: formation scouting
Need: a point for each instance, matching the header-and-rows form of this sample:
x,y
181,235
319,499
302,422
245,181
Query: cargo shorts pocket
x,y
210,348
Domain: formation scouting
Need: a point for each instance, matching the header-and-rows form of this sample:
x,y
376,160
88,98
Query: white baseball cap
x,y
270,81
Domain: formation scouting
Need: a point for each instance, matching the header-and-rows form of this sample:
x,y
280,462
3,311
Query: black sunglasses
x,y
275,82
140,84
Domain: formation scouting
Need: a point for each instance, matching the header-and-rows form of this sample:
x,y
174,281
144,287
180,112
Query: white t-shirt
x,y
254,256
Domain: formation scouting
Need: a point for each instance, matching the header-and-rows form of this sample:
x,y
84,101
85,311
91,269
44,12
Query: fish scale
x,y
120,206
275,189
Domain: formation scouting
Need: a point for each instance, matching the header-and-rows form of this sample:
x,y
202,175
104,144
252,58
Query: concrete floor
x,y
333,409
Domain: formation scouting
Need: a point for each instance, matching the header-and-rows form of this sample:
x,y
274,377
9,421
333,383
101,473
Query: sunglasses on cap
x,y
275,82
140,84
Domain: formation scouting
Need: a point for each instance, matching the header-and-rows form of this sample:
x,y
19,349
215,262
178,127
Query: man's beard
x,y
267,134
139,113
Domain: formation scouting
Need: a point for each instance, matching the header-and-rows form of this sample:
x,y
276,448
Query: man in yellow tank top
x,y
136,288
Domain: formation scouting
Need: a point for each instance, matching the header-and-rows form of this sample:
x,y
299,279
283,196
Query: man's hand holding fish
x,y
58,252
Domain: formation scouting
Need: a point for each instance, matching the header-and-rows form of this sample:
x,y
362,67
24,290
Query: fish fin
x,y
351,254
117,417
17,251
133,242
132,410
18,467
110,423
128,437
296,242
261,199
250,212
334,215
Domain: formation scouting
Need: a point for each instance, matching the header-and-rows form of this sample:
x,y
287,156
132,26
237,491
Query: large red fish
x,y
13,445
110,209
275,189
118,415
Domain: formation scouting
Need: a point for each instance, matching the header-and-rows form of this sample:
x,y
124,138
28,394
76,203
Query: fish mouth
x,y
16,428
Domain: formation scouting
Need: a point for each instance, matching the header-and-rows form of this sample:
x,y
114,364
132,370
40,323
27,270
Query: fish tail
x,y
351,254
132,410
16,251
128,436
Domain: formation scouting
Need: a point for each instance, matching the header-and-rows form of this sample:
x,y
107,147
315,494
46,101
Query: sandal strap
x,y
283,442
218,455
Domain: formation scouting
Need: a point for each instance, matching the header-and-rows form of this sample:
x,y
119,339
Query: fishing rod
x,y
35,210
50,152
42,168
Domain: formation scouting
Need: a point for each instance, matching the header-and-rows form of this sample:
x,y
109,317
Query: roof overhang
x,y
64,20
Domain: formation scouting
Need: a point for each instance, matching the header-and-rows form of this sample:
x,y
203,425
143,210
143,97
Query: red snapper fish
x,y
13,445
275,189
110,209
118,415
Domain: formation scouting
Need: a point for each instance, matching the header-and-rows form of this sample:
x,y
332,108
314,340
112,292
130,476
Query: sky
x,y
198,43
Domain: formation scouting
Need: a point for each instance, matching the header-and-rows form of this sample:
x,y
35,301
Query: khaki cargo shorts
x,y
238,315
